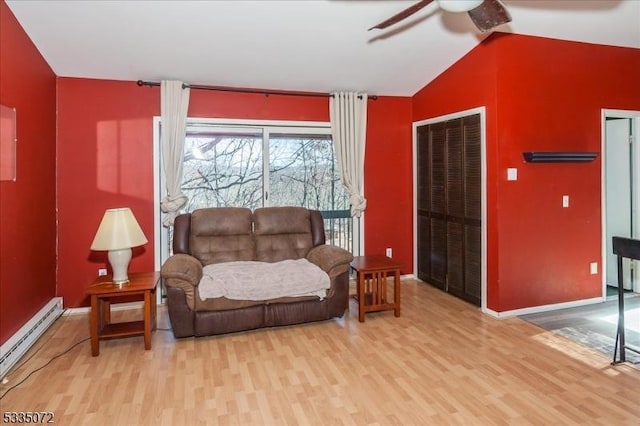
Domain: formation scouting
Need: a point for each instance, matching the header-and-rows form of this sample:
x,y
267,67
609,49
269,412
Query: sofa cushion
x,y
221,234
282,233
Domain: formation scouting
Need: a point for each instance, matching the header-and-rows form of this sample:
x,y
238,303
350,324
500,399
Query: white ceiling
x,y
320,45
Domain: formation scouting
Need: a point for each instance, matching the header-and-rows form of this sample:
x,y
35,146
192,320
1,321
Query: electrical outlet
x,y
389,252
593,267
102,272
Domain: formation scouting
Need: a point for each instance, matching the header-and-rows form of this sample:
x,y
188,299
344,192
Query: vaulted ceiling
x,y
320,45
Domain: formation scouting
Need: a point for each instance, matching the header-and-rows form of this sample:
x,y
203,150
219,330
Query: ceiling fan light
x,y
490,14
458,5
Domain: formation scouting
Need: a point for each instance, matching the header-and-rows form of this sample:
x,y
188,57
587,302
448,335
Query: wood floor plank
x,y
441,362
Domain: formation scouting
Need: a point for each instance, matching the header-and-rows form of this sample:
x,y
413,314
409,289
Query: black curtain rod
x,y
257,91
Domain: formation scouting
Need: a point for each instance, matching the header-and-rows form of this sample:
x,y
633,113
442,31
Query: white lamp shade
x,y
118,230
459,5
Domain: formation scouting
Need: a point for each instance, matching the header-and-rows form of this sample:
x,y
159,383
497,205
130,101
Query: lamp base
x,y
121,284
119,260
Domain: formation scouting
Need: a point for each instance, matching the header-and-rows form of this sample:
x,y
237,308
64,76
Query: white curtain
x,y
348,113
174,102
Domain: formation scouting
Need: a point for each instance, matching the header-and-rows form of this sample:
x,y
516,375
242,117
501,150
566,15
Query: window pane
x,y
223,170
303,172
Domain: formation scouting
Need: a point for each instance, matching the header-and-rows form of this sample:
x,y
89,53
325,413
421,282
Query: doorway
x,y
620,193
449,204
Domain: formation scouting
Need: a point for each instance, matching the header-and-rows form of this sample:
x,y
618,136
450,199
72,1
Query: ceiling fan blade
x,y
402,15
489,15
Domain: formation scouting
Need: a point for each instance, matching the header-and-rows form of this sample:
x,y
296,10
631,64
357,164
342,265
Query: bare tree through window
x,y
222,171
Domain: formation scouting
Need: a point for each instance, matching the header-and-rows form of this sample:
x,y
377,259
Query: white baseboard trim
x,y
544,308
18,344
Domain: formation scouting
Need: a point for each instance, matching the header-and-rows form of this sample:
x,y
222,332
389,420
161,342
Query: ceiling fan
x,y
485,14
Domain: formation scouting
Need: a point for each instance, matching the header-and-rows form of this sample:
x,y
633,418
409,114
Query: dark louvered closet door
x,y
455,208
449,210
437,205
473,209
423,186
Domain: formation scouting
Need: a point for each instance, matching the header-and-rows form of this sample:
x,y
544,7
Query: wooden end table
x,y
371,274
103,291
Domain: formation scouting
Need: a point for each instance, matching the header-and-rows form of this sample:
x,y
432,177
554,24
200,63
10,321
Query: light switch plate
x,y
512,173
565,201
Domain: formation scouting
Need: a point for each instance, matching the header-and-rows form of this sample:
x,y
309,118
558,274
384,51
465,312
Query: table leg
x,y
361,296
396,293
147,320
154,310
95,312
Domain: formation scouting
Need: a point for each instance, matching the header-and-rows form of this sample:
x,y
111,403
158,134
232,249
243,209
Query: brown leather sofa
x,y
224,234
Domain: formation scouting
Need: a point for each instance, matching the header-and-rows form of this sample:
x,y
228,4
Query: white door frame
x,y
635,117
483,191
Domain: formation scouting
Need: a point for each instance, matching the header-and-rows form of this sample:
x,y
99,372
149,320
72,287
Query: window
x,y
254,164
223,168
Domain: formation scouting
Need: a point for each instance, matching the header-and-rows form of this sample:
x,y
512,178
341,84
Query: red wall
x,y
544,95
105,152
540,94
105,156
27,206
388,178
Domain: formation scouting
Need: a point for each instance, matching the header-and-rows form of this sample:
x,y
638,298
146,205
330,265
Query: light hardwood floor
x,y
441,362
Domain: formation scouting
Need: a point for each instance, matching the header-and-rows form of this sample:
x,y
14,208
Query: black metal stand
x,y
623,248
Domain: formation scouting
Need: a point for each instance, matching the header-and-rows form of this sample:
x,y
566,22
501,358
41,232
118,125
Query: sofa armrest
x,y
331,259
182,271
182,267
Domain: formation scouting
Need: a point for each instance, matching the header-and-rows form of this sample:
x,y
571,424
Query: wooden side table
x,y
372,293
103,291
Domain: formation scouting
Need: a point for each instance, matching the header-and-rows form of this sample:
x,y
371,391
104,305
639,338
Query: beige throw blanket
x,y
263,281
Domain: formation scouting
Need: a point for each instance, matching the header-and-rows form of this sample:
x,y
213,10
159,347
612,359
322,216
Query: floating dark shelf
x,y
559,157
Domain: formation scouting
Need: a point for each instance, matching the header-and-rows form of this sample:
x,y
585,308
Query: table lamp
x,y
117,233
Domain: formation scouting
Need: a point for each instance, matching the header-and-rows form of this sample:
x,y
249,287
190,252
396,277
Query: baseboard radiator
x,y
18,344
